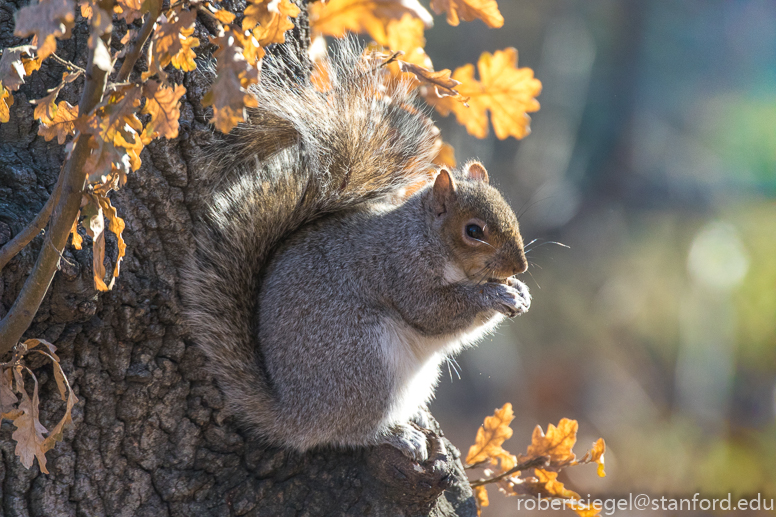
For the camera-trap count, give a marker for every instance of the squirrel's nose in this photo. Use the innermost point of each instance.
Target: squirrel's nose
(521, 263)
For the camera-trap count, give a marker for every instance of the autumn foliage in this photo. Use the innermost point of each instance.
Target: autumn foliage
(535, 472)
(123, 109)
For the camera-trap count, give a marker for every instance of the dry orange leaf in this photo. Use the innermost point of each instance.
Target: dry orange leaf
(77, 239)
(251, 50)
(17, 63)
(229, 93)
(337, 17)
(95, 228)
(506, 91)
(86, 8)
(552, 486)
(481, 494)
(7, 398)
(485, 10)
(115, 225)
(269, 20)
(6, 101)
(130, 10)
(58, 122)
(29, 431)
(406, 35)
(596, 454)
(163, 104)
(223, 16)
(114, 131)
(493, 433)
(557, 443)
(173, 43)
(47, 20)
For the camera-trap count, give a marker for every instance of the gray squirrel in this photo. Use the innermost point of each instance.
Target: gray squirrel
(324, 294)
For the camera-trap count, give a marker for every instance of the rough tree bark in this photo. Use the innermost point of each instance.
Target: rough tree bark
(150, 435)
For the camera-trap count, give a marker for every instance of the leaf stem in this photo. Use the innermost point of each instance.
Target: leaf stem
(68, 64)
(541, 461)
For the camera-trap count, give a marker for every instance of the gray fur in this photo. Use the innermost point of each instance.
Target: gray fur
(324, 308)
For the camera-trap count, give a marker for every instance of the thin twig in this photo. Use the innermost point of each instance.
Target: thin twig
(137, 46)
(68, 64)
(541, 461)
(23, 238)
(18, 319)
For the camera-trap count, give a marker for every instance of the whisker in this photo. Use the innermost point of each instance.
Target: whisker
(532, 278)
(483, 242)
(452, 362)
(545, 243)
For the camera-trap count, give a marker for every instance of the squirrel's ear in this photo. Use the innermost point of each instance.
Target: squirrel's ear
(444, 192)
(475, 171)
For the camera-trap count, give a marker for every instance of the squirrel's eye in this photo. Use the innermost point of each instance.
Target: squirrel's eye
(475, 232)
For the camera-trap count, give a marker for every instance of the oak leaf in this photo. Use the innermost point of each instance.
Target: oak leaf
(130, 10)
(29, 431)
(86, 8)
(557, 443)
(229, 94)
(222, 15)
(406, 35)
(485, 10)
(506, 91)
(115, 132)
(552, 487)
(163, 104)
(269, 20)
(172, 43)
(65, 391)
(116, 225)
(336, 17)
(493, 433)
(6, 101)
(77, 239)
(251, 50)
(16, 64)
(481, 494)
(47, 20)
(7, 398)
(596, 454)
(58, 122)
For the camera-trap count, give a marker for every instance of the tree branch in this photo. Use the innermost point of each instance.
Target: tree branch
(539, 462)
(23, 238)
(27, 303)
(137, 46)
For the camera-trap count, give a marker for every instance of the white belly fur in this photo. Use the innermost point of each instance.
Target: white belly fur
(415, 360)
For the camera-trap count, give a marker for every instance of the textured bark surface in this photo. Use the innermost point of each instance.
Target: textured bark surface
(150, 436)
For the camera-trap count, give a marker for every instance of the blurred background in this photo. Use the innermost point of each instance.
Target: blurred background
(653, 158)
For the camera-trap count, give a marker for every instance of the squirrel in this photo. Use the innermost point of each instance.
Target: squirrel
(324, 295)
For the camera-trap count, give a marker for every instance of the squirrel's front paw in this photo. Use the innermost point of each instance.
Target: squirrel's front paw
(409, 440)
(512, 299)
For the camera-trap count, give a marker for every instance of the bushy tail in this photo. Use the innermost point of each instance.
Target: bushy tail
(304, 154)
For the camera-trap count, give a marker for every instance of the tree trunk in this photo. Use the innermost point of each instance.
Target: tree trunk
(150, 435)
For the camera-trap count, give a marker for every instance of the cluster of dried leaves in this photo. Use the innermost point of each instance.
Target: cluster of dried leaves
(116, 118)
(30, 442)
(116, 134)
(548, 454)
